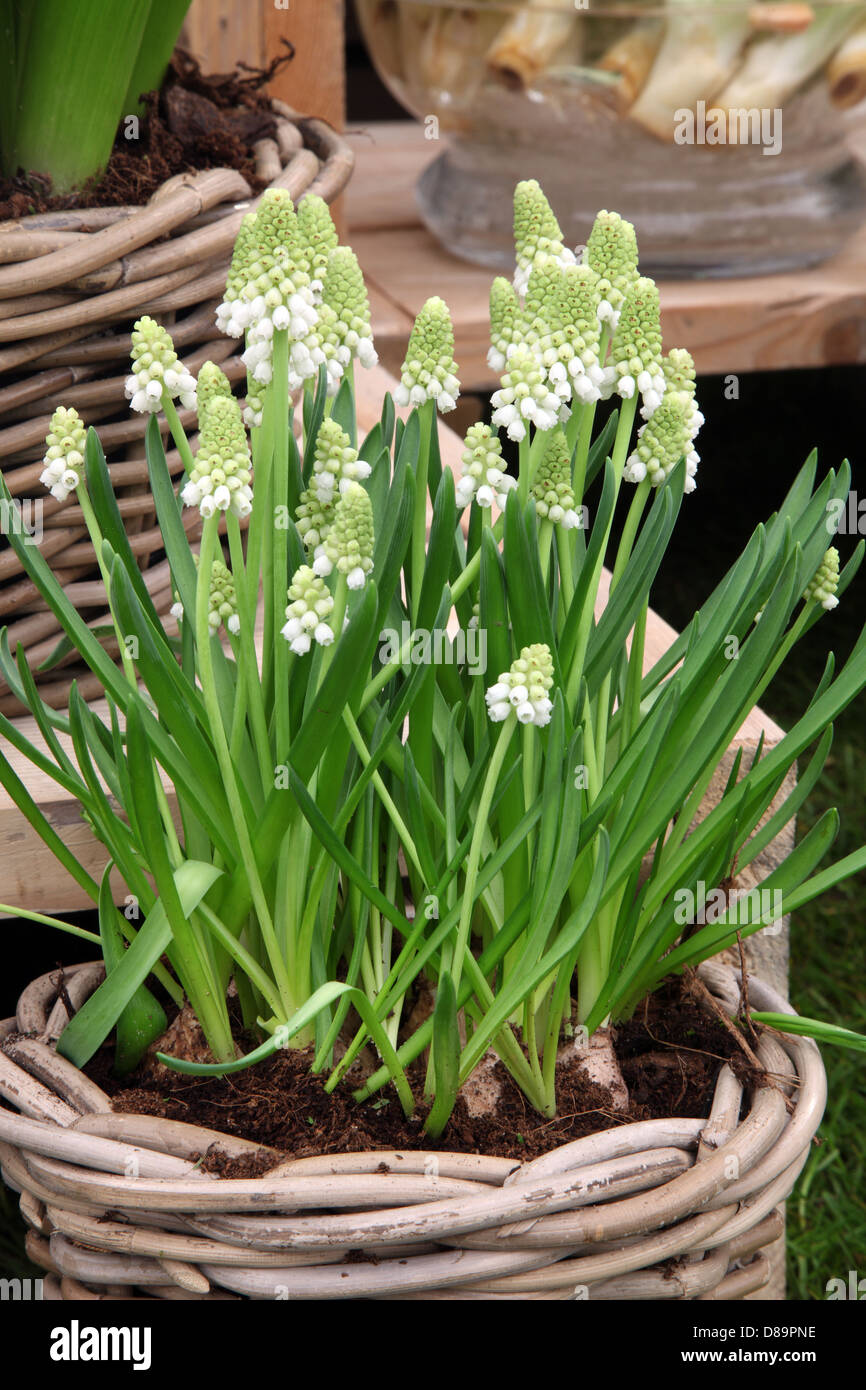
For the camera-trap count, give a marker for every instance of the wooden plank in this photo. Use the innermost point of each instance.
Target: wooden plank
(814, 317)
(314, 83)
(30, 876)
(406, 266)
(401, 151)
(221, 33)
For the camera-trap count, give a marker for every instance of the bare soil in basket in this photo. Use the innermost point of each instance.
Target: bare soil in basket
(195, 122)
(669, 1053)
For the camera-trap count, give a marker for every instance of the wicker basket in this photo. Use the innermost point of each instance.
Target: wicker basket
(71, 285)
(662, 1209)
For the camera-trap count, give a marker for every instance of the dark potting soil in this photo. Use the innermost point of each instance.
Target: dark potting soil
(194, 122)
(670, 1054)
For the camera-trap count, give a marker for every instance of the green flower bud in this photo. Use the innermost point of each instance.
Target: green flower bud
(349, 543)
(429, 371)
(317, 232)
(507, 329)
(611, 251)
(246, 249)
(222, 601)
(255, 404)
(636, 349)
(211, 382)
(564, 329)
(536, 232)
(345, 295)
(524, 688)
(679, 372)
(64, 454)
(679, 369)
(822, 587)
(552, 490)
(221, 476)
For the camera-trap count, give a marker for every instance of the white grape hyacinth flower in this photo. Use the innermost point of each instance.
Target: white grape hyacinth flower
(523, 689)
(310, 606)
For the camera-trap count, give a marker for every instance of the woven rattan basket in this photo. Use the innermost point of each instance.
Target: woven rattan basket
(71, 286)
(662, 1209)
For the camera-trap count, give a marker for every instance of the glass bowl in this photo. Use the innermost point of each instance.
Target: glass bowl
(721, 131)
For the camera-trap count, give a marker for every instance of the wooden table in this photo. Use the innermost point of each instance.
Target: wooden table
(810, 318)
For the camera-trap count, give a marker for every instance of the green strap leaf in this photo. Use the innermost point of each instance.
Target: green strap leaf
(94, 1021)
(143, 1019)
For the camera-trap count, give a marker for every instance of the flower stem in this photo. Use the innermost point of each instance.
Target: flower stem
(209, 693)
(426, 414)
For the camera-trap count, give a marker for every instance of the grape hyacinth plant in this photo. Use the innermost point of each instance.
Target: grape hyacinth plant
(325, 822)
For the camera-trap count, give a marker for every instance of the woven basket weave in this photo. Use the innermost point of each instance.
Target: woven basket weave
(71, 286)
(119, 1209)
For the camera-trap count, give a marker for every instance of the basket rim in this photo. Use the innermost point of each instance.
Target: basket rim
(600, 1210)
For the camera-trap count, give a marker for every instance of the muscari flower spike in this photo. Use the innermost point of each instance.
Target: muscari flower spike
(348, 546)
(336, 463)
(679, 372)
(211, 382)
(222, 602)
(64, 455)
(524, 688)
(221, 477)
(525, 396)
(662, 442)
(253, 410)
(484, 477)
(564, 329)
(343, 332)
(822, 587)
(314, 520)
(344, 294)
(429, 371)
(582, 331)
(552, 490)
(310, 605)
(636, 349)
(536, 232)
(506, 323)
(156, 369)
(278, 292)
(611, 251)
(232, 315)
(318, 234)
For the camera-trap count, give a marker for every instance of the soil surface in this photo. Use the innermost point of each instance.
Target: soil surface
(195, 122)
(670, 1054)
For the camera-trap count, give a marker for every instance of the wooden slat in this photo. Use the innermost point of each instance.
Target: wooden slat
(814, 317)
(222, 33)
(314, 83)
